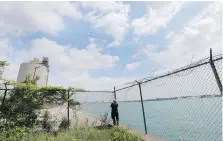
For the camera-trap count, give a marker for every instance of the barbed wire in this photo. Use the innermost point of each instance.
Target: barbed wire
(174, 72)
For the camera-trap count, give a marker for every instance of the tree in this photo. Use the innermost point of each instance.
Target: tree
(33, 81)
(3, 64)
(21, 106)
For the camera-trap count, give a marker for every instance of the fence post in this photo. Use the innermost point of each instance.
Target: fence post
(68, 107)
(3, 100)
(140, 90)
(114, 93)
(215, 72)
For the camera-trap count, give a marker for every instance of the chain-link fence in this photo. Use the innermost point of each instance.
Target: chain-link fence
(95, 103)
(183, 104)
(51, 109)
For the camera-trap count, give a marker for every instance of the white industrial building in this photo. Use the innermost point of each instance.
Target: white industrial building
(35, 68)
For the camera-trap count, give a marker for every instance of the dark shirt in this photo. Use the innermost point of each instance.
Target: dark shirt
(114, 107)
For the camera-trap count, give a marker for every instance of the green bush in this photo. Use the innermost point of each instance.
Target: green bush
(122, 134)
(21, 106)
(26, 99)
(45, 122)
(13, 134)
(85, 134)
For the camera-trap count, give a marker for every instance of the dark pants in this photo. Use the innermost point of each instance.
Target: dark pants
(115, 118)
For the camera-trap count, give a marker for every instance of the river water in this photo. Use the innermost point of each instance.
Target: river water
(189, 119)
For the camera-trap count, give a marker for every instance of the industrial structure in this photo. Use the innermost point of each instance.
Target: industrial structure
(35, 68)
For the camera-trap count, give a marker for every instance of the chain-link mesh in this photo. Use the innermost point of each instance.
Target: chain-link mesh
(95, 103)
(94, 96)
(57, 110)
(130, 109)
(184, 105)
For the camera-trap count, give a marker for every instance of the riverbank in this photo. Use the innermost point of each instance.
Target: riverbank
(79, 118)
(145, 137)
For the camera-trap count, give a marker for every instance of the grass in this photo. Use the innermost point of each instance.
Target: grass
(85, 134)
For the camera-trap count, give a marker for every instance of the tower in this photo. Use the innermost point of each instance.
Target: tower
(35, 68)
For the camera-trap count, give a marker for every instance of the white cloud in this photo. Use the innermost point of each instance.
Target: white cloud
(114, 44)
(99, 83)
(132, 66)
(169, 34)
(19, 18)
(68, 66)
(5, 48)
(5, 54)
(196, 38)
(110, 16)
(89, 58)
(92, 40)
(157, 17)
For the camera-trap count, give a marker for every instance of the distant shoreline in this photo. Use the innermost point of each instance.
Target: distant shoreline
(162, 99)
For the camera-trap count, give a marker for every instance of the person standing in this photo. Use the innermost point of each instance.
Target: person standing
(114, 113)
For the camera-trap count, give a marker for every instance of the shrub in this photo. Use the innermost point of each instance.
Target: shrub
(122, 134)
(64, 124)
(45, 122)
(12, 134)
(86, 134)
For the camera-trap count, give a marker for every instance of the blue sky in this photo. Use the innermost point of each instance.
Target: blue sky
(139, 29)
